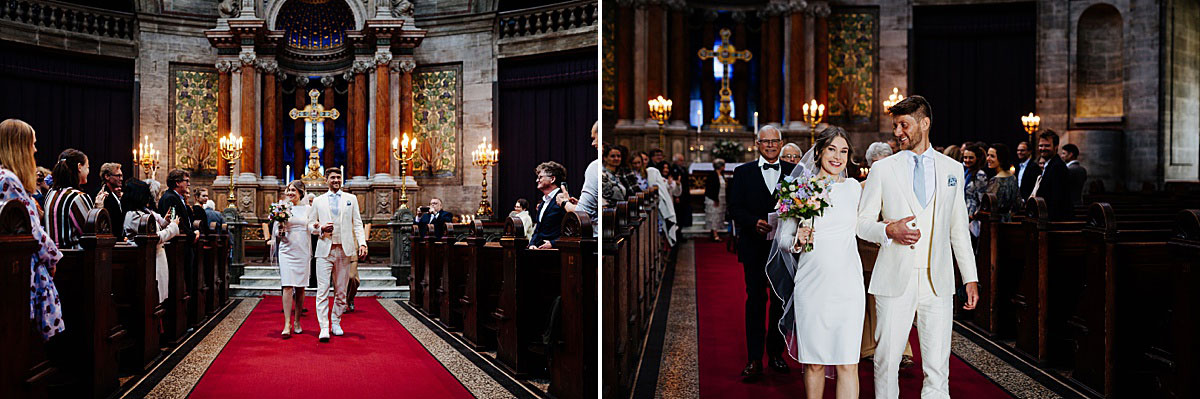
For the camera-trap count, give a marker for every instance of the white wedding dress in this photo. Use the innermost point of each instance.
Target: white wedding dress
(829, 298)
(295, 253)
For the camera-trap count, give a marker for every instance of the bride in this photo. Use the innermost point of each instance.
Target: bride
(295, 252)
(823, 291)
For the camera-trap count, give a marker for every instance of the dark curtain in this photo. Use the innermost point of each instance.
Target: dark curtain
(545, 108)
(72, 101)
(975, 64)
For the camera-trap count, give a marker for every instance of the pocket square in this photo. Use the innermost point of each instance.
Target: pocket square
(953, 181)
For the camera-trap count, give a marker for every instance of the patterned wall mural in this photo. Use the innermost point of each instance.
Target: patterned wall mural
(194, 119)
(609, 71)
(437, 120)
(852, 65)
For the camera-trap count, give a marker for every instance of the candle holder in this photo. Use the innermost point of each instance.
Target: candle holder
(147, 158)
(893, 98)
(1031, 123)
(231, 150)
(484, 157)
(660, 110)
(404, 151)
(813, 115)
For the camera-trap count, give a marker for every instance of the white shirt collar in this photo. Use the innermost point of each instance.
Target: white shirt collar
(763, 161)
(927, 154)
(548, 197)
(1073, 161)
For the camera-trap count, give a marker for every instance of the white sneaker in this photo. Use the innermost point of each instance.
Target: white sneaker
(337, 330)
(324, 337)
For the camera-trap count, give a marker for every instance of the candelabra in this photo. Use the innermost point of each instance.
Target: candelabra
(813, 114)
(147, 158)
(231, 150)
(404, 151)
(1031, 123)
(484, 157)
(893, 98)
(660, 110)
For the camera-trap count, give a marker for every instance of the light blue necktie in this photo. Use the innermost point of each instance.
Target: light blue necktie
(919, 181)
(334, 207)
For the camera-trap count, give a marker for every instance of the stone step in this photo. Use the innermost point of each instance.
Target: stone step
(273, 271)
(240, 290)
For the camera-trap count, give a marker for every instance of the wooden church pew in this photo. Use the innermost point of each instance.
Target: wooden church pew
(87, 350)
(178, 296)
(573, 359)
(633, 265)
(999, 262)
(223, 247)
(435, 261)
(615, 330)
(24, 367)
(416, 277)
(1184, 326)
(484, 263)
(531, 283)
(135, 292)
(454, 278)
(206, 261)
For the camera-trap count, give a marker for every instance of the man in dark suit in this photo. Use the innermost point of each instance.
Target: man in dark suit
(548, 216)
(110, 177)
(436, 216)
(1052, 184)
(178, 181)
(751, 196)
(1076, 173)
(1027, 170)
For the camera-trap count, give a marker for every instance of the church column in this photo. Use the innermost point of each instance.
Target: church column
(654, 54)
(249, 132)
(741, 73)
(680, 74)
(327, 99)
(796, 68)
(405, 68)
(270, 120)
(772, 66)
(224, 86)
(351, 121)
(359, 112)
(300, 144)
(820, 13)
(624, 58)
(708, 87)
(383, 120)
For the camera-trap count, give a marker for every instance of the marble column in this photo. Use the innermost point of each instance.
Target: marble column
(383, 136)
(771, 71)
(708, 87)
(796, 68)
(740, 84)
(624, 58)
(270, 120)
(359, 111)
(224, 96)
(300, 144)
(655, 49)
(351, 122)
(680, 76)
(405, 68)
(820, 13)
(249, 133)
(328, 100)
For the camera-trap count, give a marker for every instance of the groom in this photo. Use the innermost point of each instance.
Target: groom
(335, 217)
(914, 272)
(751, 196)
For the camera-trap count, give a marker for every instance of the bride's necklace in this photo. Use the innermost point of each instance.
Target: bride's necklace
(825, 175)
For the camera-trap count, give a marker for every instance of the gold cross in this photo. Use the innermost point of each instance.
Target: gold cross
(726, 54)
(315, 113)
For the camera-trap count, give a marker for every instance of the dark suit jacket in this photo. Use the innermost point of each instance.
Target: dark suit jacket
(1029, 179)
(1077, 177)
(549, 227)
(712, 186)
(115, 213)
(172, 200)
(1054, 189)
(750, 201)
(439, 223)
(683, 209)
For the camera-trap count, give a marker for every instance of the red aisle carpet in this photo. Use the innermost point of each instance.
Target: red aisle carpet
(720, 302)
(377, 358)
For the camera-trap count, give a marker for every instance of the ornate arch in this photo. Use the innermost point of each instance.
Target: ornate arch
(357, 7)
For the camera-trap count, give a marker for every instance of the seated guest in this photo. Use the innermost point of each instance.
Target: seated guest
(549, 215)
(876, 151)
(975, 179)
(1004, 183)
(17, 178)
(210, 212)
(66, 205)
(175, 199)
(521, 210)
(1076, 173)
(714, 199)
(1052, 185)
(110, 176)
(649, 176)
(791, 153)
(614, 175)
(200, 219)
(1027, 170)
(953, 151)
(436, 216)
(138, 201)
(589, 196)
(43, 186)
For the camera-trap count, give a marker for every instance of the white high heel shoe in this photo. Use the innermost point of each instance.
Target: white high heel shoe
(296, 328)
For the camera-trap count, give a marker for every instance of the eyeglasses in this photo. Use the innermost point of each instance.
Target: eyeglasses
(770, 142)
(790, 156)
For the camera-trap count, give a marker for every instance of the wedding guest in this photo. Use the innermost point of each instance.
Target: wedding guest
(976, 182)
(895, 145)
(657, 161)
(1027, 169)
(549, 214)
(137, 199)
(714, 200)
(1076, 173)
(111, 176)
(335, 216)
(589, 197)
(1003, 184)
(649, 176)
(1041, 163)
(683, 200)
(39, 193)
(750, 197)
(877, 151)
(521, 210)
(294, 240)
(199, 216)
(17, 177)
(1052, 185)
(66, 205)
(791, 153)
(617, 176)
(953, 151)
(175, 198)
(436, 216)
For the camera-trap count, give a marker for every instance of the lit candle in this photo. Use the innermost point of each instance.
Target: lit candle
(755, 121)
(287, 177)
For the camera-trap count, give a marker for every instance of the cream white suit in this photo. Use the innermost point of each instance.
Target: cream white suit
(916, 279)
(335, 252)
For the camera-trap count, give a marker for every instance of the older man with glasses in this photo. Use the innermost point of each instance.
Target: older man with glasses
(791, 153)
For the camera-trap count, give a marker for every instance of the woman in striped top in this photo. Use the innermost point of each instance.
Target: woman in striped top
(66, 205)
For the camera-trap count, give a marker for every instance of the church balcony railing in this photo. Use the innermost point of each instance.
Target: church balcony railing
(547, 19)
(69, 17)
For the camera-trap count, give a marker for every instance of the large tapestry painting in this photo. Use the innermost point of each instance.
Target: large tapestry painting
(193, 123)
(437, 120)
(852, 65)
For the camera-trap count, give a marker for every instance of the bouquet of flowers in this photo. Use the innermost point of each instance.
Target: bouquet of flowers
(804, 198)
(280, 213)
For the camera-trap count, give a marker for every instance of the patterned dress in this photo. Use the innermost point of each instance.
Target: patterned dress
(1005, 189)
(65, 209)
(44, 307)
